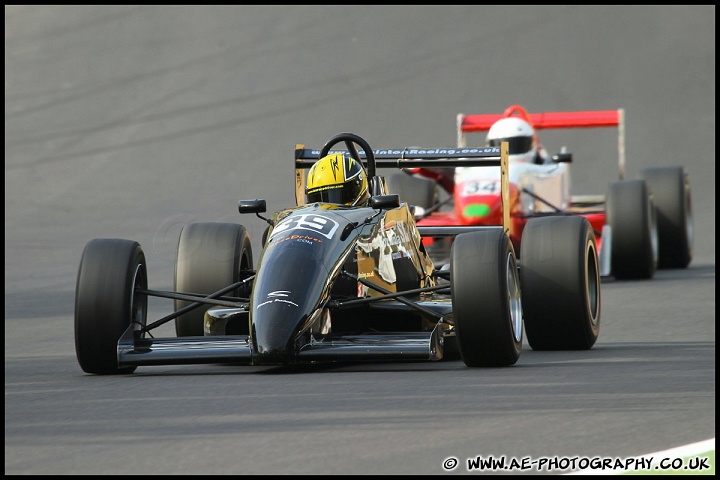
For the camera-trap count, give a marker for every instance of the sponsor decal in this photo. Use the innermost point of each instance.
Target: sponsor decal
(277, 296)
(300, 238)
(410, 152)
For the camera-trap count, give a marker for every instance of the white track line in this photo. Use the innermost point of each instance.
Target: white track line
(679, 452)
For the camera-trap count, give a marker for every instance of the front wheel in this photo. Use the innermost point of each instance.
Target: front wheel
(210, 257)
(107, 301)
(486, 299)
(560, 280)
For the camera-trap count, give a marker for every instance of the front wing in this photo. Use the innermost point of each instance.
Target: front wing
(236, 349)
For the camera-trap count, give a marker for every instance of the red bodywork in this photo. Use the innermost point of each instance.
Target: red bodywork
(492, 198)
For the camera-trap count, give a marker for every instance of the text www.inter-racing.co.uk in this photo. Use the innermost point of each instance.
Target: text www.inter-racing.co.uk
(548, 464)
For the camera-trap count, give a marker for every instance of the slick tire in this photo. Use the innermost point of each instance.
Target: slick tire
(670, 187)
(110, 273)
(630, 212)
(486, 299)
(210, 257)
(560, 278)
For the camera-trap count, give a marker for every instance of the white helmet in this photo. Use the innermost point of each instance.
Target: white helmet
(520, 135)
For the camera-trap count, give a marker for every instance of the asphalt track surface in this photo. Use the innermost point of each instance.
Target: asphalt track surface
(132, 121)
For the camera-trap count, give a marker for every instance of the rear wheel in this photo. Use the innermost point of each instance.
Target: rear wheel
(560, 280)
(106, 302)
(670, 187)
(486, 299)
(630, 212)
(210, 257)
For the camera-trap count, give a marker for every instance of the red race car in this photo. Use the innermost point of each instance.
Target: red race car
(640, 225)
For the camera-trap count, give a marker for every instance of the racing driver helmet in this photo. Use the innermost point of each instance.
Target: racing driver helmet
(519, 134)
(337, 178)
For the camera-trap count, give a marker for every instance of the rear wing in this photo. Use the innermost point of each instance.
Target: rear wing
(416, 158)
(582, 119)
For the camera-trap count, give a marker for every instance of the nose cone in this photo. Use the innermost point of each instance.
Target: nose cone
(276, 325)
(287, 290)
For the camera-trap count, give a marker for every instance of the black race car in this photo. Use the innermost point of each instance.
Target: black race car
(337, 284)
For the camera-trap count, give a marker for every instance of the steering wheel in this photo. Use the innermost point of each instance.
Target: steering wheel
(351, 140)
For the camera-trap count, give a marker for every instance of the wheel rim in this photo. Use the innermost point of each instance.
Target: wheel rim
(514, 302)
(138, 301)
(654, 235)
(592, 280)
(688, 215)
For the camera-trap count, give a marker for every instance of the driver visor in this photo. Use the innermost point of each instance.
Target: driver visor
(517, 144)
(331, 194)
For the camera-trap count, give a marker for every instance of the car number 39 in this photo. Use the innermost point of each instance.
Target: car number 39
(316, 223)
